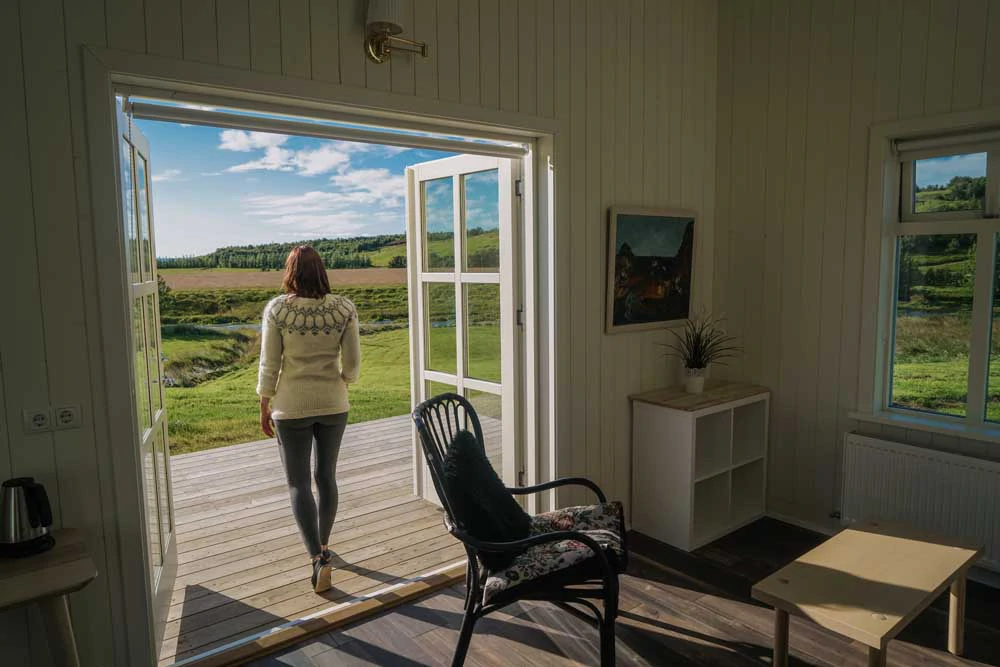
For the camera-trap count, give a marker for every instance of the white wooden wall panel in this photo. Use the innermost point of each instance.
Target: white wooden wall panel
(509, 55)
(425, 73)
(633, 85)
(324, 27)
(13, 149)
(296, 42)
(401, 67)
(789, 278)
(351, 23)
(234, 32)
(969, 48)
(163, 29)
(201, 38)
(265, 36)
(489, 54)
(125, 24)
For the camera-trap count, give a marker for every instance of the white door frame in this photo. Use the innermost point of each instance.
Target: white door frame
(509, 280)
(102, 253)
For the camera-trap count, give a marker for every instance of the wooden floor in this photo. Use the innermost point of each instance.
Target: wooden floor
(242, 568)
(685, 609)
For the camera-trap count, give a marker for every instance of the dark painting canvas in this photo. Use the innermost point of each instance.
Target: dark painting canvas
(651, 256)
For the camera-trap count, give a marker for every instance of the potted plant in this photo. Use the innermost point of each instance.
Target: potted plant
(699, 343)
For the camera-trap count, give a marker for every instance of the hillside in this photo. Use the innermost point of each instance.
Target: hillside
(385, 251)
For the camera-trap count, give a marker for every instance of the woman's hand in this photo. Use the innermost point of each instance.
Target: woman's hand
(266, 424)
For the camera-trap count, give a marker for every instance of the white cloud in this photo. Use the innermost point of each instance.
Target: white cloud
(322, 160)
(306, 162)
(371, 186)
(275, 159)
(167, 175)
(244, 142)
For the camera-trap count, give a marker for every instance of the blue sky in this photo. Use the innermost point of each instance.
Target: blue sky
(214, 187)
(938, 171)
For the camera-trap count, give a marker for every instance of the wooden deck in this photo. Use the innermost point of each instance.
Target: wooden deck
(242, 568)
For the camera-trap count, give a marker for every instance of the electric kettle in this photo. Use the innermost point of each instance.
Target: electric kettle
(25, 517)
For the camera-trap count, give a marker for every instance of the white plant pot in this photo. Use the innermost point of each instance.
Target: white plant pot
(694, 380)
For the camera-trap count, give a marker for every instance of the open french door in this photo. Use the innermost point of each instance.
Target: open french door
(147, 367)
(465, 297)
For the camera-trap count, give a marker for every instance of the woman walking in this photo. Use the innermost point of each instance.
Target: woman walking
(310, 351)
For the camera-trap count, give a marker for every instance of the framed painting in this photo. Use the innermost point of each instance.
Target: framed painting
(650, 261)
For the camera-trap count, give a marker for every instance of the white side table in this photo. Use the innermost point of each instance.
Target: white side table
(699, 461)
(47, 579)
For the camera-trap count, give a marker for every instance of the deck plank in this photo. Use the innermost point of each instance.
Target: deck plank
(241, 564)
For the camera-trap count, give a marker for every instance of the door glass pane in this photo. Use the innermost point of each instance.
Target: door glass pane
(162, 461)
(153, 355)
(145, 238)
(949, 183)
(488, 408)
(933, 314)
(438, 388)
(128, 213)
(152, 515)
(439, 223)
(482, 340)
(140, 361)
(481, 200)
(441, 350)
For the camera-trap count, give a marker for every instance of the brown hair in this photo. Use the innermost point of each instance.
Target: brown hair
(305, 275)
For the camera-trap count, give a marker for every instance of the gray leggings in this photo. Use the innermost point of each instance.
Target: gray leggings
(295, 439)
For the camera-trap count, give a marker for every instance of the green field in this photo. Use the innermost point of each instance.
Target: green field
(483, 250)
(933, 326)
(482, 247)
(223, 410)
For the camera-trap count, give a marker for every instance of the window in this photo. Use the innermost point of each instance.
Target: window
(942, 354)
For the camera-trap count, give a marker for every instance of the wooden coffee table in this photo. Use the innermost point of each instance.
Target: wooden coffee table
(867, 583)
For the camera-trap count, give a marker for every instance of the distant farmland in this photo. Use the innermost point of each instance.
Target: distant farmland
(190, 279)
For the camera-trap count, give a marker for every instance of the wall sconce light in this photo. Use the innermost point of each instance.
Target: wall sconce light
(383, 25)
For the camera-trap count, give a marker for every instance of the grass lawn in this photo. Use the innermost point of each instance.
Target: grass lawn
(443, 247)
(931, 365)
(224, 410)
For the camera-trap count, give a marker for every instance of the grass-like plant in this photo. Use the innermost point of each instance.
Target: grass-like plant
(701, 342)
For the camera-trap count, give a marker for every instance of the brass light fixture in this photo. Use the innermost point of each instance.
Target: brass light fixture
(383, 27)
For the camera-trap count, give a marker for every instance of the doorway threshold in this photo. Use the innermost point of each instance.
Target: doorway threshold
(354, 609)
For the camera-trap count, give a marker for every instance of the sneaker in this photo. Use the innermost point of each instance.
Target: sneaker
(322, 574)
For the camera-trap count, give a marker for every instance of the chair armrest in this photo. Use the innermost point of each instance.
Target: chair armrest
(534, 540)
(579, 481)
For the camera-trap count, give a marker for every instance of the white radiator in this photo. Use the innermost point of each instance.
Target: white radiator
(942, 493)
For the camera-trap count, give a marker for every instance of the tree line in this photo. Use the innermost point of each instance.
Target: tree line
(347, 253)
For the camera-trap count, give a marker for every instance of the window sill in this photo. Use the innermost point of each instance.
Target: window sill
(914, 422)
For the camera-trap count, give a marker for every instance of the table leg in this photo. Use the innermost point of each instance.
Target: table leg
(55, 613)
(876, 657)
(780, 638)
(956, 617)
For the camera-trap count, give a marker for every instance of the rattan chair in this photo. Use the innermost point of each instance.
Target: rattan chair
(591, 539)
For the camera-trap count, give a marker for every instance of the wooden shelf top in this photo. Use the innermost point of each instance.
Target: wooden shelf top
(64, 568)
(716, 393)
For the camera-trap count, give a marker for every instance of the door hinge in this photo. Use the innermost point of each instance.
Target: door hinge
(520, 478)
(517, 188)
(520, 317)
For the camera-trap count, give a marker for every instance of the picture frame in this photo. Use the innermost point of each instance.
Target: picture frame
(650, 268)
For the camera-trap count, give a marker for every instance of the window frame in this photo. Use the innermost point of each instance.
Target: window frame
(889, 216)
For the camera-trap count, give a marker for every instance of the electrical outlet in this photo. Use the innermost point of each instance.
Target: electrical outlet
(37, 421)
(66, 416)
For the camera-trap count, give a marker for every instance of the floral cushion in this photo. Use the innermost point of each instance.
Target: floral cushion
(604, 523)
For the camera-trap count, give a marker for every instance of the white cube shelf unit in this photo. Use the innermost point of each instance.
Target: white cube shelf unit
(699, 462)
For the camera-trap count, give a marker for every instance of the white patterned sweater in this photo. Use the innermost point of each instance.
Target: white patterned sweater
(310, 351)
